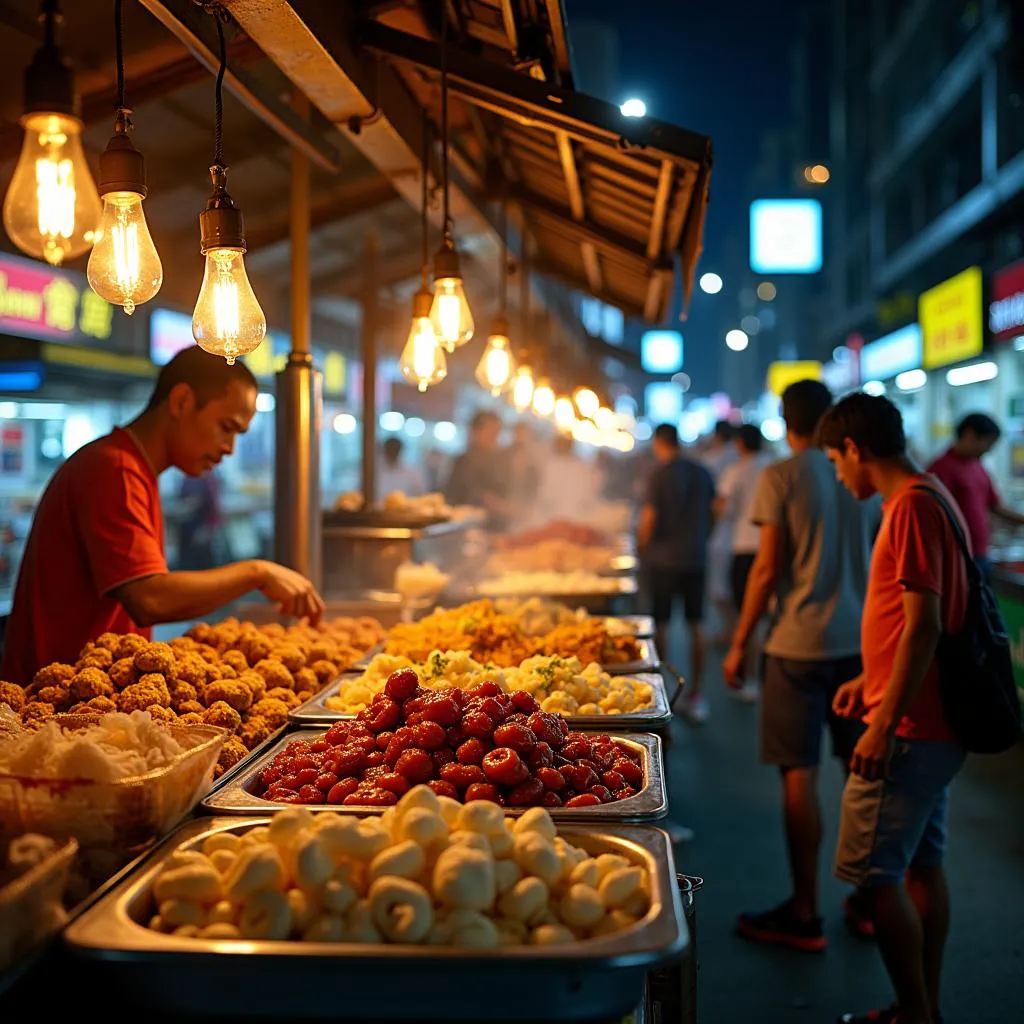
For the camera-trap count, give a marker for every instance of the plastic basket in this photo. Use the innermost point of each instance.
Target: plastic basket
(32, 906)
(112, 821)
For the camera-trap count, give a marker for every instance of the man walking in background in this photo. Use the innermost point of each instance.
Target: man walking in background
(672, 539)
(961, 471)
(813, 556)
(892, 833)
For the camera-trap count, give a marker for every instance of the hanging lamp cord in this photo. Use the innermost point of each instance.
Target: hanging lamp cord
(49, 14)
(504, 258)
(444, 123)
(218, 122)
(424, 218)
(119, 47)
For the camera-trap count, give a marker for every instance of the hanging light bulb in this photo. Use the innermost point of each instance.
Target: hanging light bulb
(522, 388)
(544, 398)
(124, 267)
(227, 320)
(422, 361)
(587, 402)
(565, 414)
(605, 419)
(52, 208)
(496, 369)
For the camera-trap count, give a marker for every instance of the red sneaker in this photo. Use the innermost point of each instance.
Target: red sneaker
(857, 918)
(781, 927)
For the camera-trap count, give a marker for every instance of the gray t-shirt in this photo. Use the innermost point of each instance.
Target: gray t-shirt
(827, 538)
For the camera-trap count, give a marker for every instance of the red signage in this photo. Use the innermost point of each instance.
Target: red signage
(1006, 310)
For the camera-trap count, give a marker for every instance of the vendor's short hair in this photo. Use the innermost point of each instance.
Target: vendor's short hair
(979, 424)
(750, 437)
(871, 422)
(724, 430)
(666, 433)
(208, 376)
(803, 405)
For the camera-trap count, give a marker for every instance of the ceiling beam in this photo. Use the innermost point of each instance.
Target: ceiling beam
(197, 31)
(347, 282)
(588, 252)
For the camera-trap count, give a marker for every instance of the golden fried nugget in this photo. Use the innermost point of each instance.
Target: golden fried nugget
(159, 714)
(306, 679)
(302, 696)
(91, 682)
(275, 673)
(98, 657)
(232, 752)
(325, 672)
(225, 671)
(123, 673)
(236, 659)
(274, 630)
(256, 647)
(190, 668)
(223, 715)
(156, 658)
(191, 707)
(129, 646)
(191, 718)
(274, 711)
(58, 696)
(150, 689)
(256, 683)
(230, 691)
(285, 696)
(13, 696)
(290, 656)
(255, 730)
(54, 674)
(102, 705)
(37, 711)
(182, 693)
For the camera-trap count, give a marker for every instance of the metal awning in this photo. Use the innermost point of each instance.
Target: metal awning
(610, 201)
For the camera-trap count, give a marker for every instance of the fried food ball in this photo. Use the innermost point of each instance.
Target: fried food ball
(54, 674)
(302, 696)
(145, 693)
(191, 707)
(325, 672)
(191, 718)
(236, 659)
(223, 715)
(306, 679)
(91, 682)
(58, 696)
(102, 705)
(156, 658)
(275, 673)
(182, 693)
(232, 752)
(225, 672)
(274, 711)
(322, 650)
(226, 635)
(129, 646)
(38, 711)
(98, 657)
(81, 708)
(256, 683)
(290, 656)
(274, 630)
(254, 731)
(285, 696)
(190, 668)
(159, 714)
(13, 696)
(230, 691)
(108, 641)
(209, 654)
(183, 645)
(201, 633)
(123, 673)
(256, 647)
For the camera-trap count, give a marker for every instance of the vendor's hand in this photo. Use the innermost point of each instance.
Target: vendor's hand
(849, 699)
(294, 594)
(872, 754)
(732, 667)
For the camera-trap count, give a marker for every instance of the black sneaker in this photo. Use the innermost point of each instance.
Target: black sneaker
(781, 927)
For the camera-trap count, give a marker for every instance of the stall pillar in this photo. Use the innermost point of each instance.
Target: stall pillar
(299, 411)
(370, 327)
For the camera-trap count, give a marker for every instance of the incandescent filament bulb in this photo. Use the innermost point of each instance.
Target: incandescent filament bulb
(565, 414)
(522, 389)
(124, 267)
(450, 313)
(496, 367)
(587, 402)
(227, 320)
(422, 361)
(543, 399)
(52, 208)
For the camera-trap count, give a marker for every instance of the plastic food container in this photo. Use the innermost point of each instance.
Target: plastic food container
(112, 821)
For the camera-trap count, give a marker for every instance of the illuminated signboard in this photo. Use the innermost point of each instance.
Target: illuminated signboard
(46, 304)
(781, 375)
(785, 236)
(661, 351)
(1006, 310)
(663, 402)
(891, 354)
(951, 320)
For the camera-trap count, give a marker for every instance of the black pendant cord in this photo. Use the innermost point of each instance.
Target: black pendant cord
(504, 258)
(50, 16)
(119, 47)
(218, 124)
(444, 123)
(425, 202)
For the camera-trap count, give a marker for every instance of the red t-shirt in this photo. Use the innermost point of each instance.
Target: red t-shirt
(968, 481)
(99, 525)
(915, 548)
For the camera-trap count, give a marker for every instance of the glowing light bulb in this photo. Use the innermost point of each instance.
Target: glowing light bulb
(52, 208)
(605, 419)
(543, 398)
(587, 402)
(565, 414)
(422, 361)
(496, 368)
(124, 267)
(522, 389)
(585, 432)
(450, 313)
(227, 320)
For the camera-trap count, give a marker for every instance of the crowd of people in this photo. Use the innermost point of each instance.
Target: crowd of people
(836, 570)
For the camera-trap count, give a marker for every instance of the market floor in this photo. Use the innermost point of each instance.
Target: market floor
(718, 788)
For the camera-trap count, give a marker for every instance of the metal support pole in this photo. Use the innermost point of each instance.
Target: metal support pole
(371, 324)
(298, 517)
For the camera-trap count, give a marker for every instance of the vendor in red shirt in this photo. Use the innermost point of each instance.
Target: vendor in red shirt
(94, 561)
(961, 470)
(892, 832)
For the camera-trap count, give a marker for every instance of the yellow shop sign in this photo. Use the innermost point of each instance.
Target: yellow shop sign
(950, 314)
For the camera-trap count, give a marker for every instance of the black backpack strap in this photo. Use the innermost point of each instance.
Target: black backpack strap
(973, 572)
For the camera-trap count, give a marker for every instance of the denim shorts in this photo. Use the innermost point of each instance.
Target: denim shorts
(897, 822)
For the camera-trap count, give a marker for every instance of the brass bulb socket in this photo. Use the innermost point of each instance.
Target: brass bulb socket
(422, 302)
(446, 263)
(122, 167)
(220, 224)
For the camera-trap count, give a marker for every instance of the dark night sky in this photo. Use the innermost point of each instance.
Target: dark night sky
(720, 68)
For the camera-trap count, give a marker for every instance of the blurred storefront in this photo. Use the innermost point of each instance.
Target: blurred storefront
(892, 365)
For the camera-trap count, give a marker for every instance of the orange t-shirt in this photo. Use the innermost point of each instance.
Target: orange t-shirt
(916, 548)
(99, 525)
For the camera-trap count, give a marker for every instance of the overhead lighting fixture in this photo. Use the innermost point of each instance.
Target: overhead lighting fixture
(227, 320)
(52, 208)
(710, 283)
(422, 362)
(633, 108)
(975, 373)
(565, 414)
(737, 340)
(544, 398)
(587, 402)
(497, 366)
(450, 313)
(522, 388)
(911, 380)
(124, 266)
(605, 418)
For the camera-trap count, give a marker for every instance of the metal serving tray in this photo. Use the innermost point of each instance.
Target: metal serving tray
(643, 625)
(256, 752)
(596, 979)
(649, 661)
(239, 795)
(316, 712)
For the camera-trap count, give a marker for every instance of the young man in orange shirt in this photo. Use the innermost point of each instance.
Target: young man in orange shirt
(892, 833)
(94, 561)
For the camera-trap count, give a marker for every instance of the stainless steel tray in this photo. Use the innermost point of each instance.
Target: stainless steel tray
(597, 979)
(369, 655)
(651, 803)
(649, 661)
(643, 625)
(316, 712)
(256, 752)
